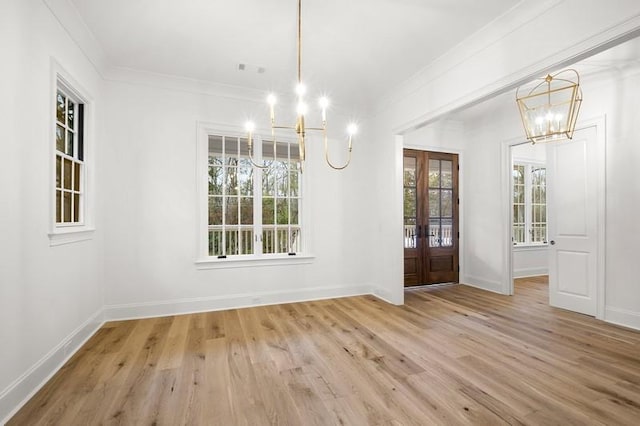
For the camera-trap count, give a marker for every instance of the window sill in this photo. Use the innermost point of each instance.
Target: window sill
(530, 247)
(61, 236)
(248, 261)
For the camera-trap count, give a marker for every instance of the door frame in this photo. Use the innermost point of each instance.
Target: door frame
(507, 189)
(461, 240)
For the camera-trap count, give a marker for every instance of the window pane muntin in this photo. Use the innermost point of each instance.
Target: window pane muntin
(215, 210)
(246, 211)
(245, 181)
(446, 202)
(294, 207)
(61, 102)
(529, 204)
(284, 188)
(434, 173)
(434, 203)
(60, 140)
(268, 210)
(69, 162)
(446, 174)
(410, 202)
(215, 180)
(409, 166)
(66, 206)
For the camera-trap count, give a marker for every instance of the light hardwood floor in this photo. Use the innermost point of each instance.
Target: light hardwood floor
(451, 355)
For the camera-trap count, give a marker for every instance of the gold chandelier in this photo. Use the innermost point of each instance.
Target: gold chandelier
(549, 107)
(301, 112)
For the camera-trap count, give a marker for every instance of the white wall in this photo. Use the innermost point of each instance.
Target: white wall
(49, 296)
(613, 95)
(530, 261)
(152, 211)
(493, 61)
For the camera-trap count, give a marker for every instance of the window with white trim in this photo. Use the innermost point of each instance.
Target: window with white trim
(529, 204)
(253, 211)
(70, 183)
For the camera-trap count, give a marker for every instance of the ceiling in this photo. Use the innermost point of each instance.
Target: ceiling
(616, 59)
(354, 51)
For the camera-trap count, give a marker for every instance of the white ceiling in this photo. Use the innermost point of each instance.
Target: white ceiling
(353, 50)
(618, 58)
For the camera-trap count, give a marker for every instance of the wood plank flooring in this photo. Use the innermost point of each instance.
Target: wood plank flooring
(452, 355)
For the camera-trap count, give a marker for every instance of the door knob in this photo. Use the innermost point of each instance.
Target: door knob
(553, 243)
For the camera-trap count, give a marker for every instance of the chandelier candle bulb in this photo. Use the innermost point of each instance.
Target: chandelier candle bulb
(271, 100)
(324, 103)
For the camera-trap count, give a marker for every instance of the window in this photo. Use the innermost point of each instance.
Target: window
(70, 185)
(529, 204)
(70, 218)
(252, 211)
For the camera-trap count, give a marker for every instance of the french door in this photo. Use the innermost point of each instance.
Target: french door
(430, 217)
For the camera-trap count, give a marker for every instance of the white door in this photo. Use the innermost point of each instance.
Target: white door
(572, 176)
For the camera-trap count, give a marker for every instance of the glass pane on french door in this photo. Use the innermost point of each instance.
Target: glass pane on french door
(410, 202)
(440, 203)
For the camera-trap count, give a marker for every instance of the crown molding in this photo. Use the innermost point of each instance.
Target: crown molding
(71, 21)
(496, 30)
(182, 84)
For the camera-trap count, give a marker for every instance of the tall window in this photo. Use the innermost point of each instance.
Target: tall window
(529, 204)
(253, 211)
(69, 140)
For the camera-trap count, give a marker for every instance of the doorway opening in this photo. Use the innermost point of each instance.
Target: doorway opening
(529, 231)
(575, 178)
(431, 229)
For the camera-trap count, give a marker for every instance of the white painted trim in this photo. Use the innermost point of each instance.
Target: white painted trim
(233, 301)
(507, 199)
(248, 261)
(387, 296)
(18, 393)
(531, 247)
(396, 292)
(71, 236)
(622, 317)
(483, 284)
(530, 272)
(601, 128)
(507, 285)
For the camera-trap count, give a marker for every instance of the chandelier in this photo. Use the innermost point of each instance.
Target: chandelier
(301, 112)
(549, 106)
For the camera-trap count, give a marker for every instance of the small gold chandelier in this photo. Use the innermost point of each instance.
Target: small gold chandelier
(549, 108)
(301, 111)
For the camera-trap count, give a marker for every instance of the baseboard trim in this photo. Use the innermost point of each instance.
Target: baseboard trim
(14, 396)
(622, 317)
(483, 284)
(387, 296)
(530, 272)
(234, 301)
